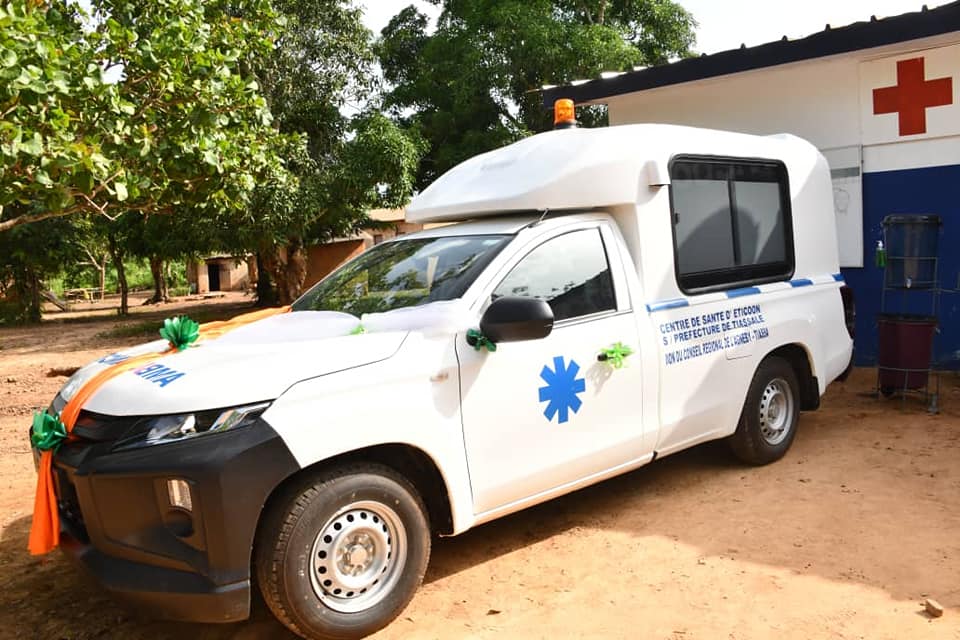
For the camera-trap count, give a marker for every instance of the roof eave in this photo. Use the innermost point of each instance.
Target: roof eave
(853, 37)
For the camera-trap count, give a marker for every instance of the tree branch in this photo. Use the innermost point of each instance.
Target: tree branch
(586, 11)
(34, 217)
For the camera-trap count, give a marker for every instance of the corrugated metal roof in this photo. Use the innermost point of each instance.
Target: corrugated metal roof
(830, 41)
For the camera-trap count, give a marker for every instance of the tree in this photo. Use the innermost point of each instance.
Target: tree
(161, 239)
(95, 255)
(321, 69)
(184, 132)
(473, 84)
(185, 126)
(28, 255)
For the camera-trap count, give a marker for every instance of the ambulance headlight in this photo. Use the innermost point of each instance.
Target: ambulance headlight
(176, 428)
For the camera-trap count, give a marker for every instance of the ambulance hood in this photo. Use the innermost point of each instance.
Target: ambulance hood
(260, 360)
(252, 363)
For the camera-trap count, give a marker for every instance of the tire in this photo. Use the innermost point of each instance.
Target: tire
(341, 553)
(770, 413)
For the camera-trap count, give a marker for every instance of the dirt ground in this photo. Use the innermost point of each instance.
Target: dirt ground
(843, 538)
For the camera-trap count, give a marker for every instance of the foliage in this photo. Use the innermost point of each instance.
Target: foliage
(28, 254)
(76, 275)
(321, 70)
(185, 127)
(473, 84)
(49, 77)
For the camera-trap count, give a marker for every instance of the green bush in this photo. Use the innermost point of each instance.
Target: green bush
(139, 278)
(176, 275)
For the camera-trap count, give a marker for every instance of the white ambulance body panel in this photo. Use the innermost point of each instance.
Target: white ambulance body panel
(656, 286)
(477, 415)
(624, 171)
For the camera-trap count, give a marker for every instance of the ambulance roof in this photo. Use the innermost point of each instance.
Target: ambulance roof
(587, 168)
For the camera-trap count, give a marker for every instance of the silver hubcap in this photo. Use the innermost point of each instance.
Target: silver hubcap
(776, 411)
(358, 556)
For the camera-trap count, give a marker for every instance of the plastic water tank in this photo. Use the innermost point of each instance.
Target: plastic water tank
(912, 244)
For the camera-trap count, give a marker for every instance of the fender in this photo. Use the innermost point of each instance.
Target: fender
(411, 399)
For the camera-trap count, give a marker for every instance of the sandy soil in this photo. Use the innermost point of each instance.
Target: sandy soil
(843, 538)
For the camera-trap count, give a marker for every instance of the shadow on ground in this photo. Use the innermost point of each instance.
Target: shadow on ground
(866, 495)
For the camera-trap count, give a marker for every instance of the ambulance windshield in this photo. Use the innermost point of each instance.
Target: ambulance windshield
(404, 273)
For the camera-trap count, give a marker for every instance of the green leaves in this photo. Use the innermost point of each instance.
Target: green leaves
(33, 146)
(321, 67)
(8, 58)
(473, 83)
(177, 124)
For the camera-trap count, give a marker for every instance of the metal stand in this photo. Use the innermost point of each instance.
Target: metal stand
(894, 297)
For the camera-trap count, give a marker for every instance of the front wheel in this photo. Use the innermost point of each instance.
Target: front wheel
(342, 553)
(768, 422)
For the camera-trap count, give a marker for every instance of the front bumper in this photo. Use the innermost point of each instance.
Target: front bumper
(118, 522)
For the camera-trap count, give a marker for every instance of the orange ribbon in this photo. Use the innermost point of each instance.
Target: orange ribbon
(45, 528)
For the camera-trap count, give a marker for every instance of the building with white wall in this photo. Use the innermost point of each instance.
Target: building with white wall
(880, 98)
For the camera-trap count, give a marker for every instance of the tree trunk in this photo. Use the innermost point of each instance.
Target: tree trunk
(160, 293)
(27, 288)
(266, 296)
(103, 277)
(288, 269)
(116, 253)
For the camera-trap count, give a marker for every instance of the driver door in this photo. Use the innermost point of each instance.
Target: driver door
(541, 414)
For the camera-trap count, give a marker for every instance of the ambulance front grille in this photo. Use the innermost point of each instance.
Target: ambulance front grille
(69, 506)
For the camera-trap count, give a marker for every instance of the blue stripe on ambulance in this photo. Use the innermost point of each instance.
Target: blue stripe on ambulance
(676, 303)
(745, 291)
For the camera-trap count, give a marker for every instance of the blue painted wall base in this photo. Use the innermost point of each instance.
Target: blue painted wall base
(936, 191)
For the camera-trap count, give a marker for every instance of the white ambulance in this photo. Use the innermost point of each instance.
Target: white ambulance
(604, 297)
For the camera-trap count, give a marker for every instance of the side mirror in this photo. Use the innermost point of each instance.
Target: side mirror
(511, 319)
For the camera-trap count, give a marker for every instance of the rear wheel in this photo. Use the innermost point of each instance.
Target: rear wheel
(768, 422)
(342, 553)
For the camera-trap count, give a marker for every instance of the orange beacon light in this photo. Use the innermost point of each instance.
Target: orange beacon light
(564, 115)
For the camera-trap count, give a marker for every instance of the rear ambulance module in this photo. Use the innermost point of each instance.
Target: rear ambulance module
(596, 299)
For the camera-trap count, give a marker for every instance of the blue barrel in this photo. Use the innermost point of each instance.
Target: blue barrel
(911, 243)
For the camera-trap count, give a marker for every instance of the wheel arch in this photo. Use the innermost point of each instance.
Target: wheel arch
(798, 356)
(411, 462)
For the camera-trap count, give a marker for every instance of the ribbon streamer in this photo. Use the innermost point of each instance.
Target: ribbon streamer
(615, 355)
(479, 341)
(45, 526)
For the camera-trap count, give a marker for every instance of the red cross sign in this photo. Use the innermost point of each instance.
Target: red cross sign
(912, 96)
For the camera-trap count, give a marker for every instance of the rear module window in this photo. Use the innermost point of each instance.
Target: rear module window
(731, 222)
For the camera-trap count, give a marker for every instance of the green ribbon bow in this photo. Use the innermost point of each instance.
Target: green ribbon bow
(180, 332)
(358, 331)
(615, 355)
(479, 341)
(47, 432)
